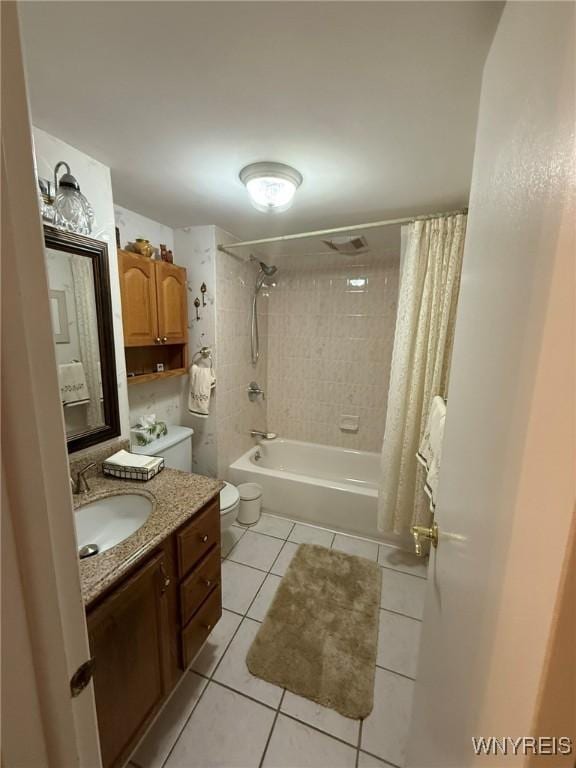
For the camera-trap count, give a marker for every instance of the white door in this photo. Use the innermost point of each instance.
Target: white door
(44, 637)
(506, 487)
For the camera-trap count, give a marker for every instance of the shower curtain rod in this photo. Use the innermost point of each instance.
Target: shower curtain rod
(337, 230)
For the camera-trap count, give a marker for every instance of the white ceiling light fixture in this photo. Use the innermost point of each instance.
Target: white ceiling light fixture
(271, 186)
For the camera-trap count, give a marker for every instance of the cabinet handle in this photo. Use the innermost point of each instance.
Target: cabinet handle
(204, 538)
(207, 583)
(157, 339)
(207, 626)
(164, 339)
(165, 577)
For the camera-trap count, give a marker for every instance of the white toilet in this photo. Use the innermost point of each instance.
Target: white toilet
(176, 448)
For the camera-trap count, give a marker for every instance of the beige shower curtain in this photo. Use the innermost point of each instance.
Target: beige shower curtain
(430, 279)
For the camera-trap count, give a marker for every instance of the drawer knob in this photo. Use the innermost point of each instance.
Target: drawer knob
(207, 583)
(208, 627)
(204, 538)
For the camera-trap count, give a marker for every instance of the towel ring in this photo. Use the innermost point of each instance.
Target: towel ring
(204, 353)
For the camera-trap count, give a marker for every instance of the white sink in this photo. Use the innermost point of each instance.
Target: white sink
(109, 521)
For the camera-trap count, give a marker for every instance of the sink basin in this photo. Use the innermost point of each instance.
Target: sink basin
(107, 522)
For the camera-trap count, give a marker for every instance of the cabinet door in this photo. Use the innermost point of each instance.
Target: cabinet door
(172, 303)
(139, 308)
(129, 639)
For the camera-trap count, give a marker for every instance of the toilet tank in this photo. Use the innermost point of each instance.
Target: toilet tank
(175, 448)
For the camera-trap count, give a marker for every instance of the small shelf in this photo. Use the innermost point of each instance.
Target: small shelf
(144, 377)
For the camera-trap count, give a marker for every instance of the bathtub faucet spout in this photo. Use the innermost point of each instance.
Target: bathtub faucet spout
(263, 435)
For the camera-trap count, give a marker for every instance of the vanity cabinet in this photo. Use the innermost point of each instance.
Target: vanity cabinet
(145, 631)
(154, 316)
(129, 639)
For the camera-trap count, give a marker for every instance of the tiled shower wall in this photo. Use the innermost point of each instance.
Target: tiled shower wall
(330, 338)
(236, 415)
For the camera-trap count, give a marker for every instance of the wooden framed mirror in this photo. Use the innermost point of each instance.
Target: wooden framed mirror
(77, 268)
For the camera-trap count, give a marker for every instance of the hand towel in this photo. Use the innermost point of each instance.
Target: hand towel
(73, 387)
(202, 382)
(430, 451)
(126, 459)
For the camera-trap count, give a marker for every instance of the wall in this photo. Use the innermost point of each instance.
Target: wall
(95, 184)
(194, 249)
(331, 333)
(165, 399)
(237, 415)
(507, 479)
(224, 326)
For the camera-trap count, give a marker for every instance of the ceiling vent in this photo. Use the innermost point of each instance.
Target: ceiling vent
(349, 246)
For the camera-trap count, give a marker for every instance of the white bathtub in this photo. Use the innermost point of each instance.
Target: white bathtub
(330, 487)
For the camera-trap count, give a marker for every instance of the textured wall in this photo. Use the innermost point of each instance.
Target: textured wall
(331, 332)
(236, 415)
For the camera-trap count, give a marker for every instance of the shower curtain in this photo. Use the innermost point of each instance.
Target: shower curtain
(87, 325)
(430, 266)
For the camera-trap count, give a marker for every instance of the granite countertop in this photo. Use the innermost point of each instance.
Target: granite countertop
(176, 497)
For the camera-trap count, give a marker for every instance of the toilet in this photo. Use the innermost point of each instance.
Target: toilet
(176, 449)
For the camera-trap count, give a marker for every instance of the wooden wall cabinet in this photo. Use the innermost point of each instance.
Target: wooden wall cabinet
(145, 631)
(154, 316)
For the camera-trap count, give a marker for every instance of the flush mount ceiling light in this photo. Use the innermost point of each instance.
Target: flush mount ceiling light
(271, 186)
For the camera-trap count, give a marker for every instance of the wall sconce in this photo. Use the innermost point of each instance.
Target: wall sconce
(64, 205)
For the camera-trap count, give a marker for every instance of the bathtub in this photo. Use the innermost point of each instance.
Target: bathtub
(330, 487)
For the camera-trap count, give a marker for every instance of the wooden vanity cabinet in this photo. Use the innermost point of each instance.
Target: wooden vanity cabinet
(129, 639)
(145, 631)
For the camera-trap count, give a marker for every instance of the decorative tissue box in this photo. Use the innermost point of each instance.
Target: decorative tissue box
(144, 434)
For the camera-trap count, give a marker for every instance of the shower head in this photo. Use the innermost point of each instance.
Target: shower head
(266, 270)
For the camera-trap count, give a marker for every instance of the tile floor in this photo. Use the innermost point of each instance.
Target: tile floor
(222, 716)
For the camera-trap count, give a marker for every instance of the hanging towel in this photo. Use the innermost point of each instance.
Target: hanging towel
(430, 451)
(73, 388)
(202, 382)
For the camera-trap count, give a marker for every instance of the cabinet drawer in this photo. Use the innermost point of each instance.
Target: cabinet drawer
(198, 585)
(198, 538)
(200, 626)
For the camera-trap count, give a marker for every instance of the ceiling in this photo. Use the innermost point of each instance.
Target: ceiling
(375, 103)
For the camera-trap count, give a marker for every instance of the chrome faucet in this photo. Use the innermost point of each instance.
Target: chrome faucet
(263, 435)
(81, 484)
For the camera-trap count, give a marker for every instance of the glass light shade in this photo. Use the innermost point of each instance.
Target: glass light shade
(271, 186)
(72, 211)
(271, 193)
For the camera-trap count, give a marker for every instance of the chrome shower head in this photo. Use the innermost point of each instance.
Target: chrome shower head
(266, 270)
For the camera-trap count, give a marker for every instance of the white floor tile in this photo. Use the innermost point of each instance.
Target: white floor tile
(368, 761)
(385, 730)
(279, 527)
(403, 593)
(294, 745)
(157, 744)
(307, 534)
(239, 586)
(283, 560)
(263, 599)
(230, 537)
(233, 671)
(256, 550)
(226, 730)
(353, 546)
(391, 557)
(398, 640)
(211, 653)
(327, 720)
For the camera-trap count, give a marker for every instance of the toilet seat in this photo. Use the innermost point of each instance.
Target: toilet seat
(229, 498)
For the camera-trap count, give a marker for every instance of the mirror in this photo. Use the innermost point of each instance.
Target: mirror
(79, 291)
